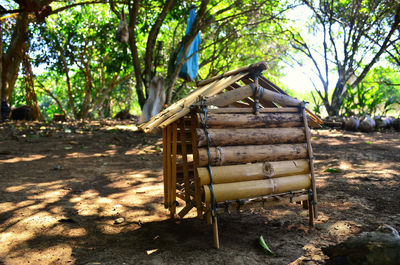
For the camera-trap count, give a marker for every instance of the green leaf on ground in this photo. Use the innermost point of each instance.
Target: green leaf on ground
(333, 170)
(265, 246)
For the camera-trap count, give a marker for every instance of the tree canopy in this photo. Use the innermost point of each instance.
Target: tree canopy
(85, 72)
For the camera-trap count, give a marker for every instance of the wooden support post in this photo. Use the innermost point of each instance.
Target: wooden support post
(197, 195)
(173, 171)
(186, 209)
(169, 169)
(165, 168)
(215, 232)
(184, 160)
(311, 160)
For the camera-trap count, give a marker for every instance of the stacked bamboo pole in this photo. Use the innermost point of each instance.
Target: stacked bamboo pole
(223, 137)
(255, 188)
(257, 171)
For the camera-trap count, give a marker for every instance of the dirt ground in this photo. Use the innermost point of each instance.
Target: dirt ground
(92, 193)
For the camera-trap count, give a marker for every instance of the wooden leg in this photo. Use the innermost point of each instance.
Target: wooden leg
(215, 232)
(305, 205)
(310, 213)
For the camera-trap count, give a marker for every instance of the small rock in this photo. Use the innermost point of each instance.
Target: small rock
(119, 220)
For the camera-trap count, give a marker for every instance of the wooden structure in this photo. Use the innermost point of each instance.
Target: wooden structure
(238, 141)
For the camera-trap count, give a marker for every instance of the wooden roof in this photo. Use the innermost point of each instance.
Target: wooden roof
(229, 81)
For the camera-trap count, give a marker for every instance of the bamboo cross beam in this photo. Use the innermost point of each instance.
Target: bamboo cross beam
(260, 65)
(243, 92)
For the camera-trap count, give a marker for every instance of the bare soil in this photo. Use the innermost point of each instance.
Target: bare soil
(92, 193)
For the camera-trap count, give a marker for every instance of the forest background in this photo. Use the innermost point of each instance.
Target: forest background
(62, 57)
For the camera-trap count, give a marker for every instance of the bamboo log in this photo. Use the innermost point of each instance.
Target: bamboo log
(252, 153)
(257, 171)
(251, 110)
(256, 188)
(260, 65)
(271, 120)
(223, 137)
(261, 203)
(229, 97)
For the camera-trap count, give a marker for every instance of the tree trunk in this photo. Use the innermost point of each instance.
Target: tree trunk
(11, 60)
(31, 98)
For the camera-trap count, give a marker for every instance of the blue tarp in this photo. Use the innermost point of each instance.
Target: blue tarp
(191, 67)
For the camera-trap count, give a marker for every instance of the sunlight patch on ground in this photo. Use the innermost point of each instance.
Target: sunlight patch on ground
(58, 254)
(22, 159)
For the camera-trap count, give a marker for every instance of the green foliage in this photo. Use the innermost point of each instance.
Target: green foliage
(363, 100)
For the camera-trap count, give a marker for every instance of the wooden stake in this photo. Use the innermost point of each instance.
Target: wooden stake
(215, 232)
(197, 187)
(311, 160)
